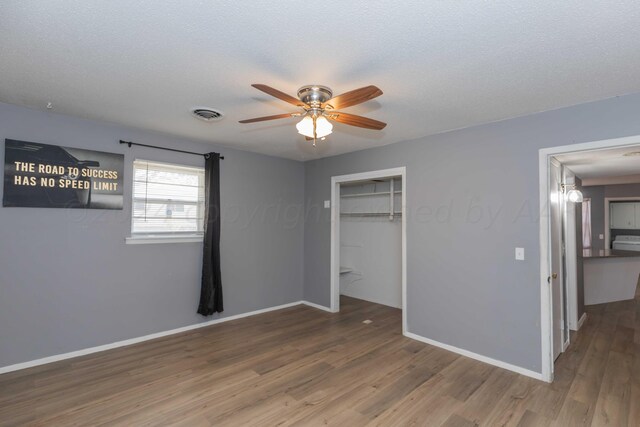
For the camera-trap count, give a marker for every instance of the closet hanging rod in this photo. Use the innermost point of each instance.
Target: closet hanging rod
(129, 143)
(370, 213)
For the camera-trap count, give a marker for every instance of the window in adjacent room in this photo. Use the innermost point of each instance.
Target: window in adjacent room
(168, 202)
(586, 223)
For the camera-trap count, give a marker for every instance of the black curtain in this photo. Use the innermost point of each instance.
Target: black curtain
(211, 290)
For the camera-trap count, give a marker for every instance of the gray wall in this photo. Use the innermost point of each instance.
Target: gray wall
(597, 194)
(68, 281)
(472, 197)
(623, 190)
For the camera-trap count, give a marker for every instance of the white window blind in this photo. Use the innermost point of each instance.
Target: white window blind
(168, 200)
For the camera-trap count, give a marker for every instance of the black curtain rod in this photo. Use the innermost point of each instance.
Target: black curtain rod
(129, 143)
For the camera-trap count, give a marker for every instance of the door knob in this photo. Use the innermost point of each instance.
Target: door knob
(554, 275)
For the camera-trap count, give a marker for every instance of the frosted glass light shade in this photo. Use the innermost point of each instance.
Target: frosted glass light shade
(323, 127)
(575, 196)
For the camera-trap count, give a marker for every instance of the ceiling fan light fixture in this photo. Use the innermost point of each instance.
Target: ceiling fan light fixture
(320, 106)
(323, 127)
(305, 126)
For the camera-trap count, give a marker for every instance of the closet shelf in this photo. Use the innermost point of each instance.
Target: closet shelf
(370, 214)
(381, 193)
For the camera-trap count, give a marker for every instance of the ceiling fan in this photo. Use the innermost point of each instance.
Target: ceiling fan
(319, 106)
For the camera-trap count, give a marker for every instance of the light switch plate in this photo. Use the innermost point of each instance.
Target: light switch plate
(601, 236)
(520, 254)
(327, 204)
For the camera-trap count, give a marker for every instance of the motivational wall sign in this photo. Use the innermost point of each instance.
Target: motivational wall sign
(50, 176)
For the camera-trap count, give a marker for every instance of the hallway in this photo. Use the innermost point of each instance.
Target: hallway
(599, 374)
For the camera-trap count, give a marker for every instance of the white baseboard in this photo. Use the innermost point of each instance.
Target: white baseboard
(318, 306)
(83, 352)
(583, 319)
(479, 357)
(86, 351)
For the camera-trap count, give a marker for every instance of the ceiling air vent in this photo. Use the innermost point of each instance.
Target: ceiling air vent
(207, 114)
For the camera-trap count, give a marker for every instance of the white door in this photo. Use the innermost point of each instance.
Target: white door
(555, 276)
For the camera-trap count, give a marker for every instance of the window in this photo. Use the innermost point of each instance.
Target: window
(168, 202)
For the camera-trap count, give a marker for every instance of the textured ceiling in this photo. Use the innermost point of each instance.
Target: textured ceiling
(609, 163)
(442, 64)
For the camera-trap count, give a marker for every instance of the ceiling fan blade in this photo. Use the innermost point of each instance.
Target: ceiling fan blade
(262, 119)
(353, 120)
(354, 97)
(280, 95)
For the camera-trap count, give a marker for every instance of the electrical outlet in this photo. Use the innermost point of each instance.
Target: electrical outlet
(520, 254)
(601, 236)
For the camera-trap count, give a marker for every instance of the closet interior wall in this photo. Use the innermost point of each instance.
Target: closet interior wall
(371, 241)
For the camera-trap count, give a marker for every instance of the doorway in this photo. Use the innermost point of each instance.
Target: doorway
(396, 212)
(557, 298)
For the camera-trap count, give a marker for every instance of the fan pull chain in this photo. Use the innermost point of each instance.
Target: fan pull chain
(314, 130)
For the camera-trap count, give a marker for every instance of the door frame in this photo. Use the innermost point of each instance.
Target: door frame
(562, 267)
(546, 312)
(571, 257)
(336, 181)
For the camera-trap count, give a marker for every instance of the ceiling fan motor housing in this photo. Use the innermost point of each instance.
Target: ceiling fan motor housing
(314, 95)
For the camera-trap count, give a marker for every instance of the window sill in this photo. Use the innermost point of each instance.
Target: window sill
(150, 240)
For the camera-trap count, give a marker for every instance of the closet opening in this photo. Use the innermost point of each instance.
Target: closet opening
(368, 238)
